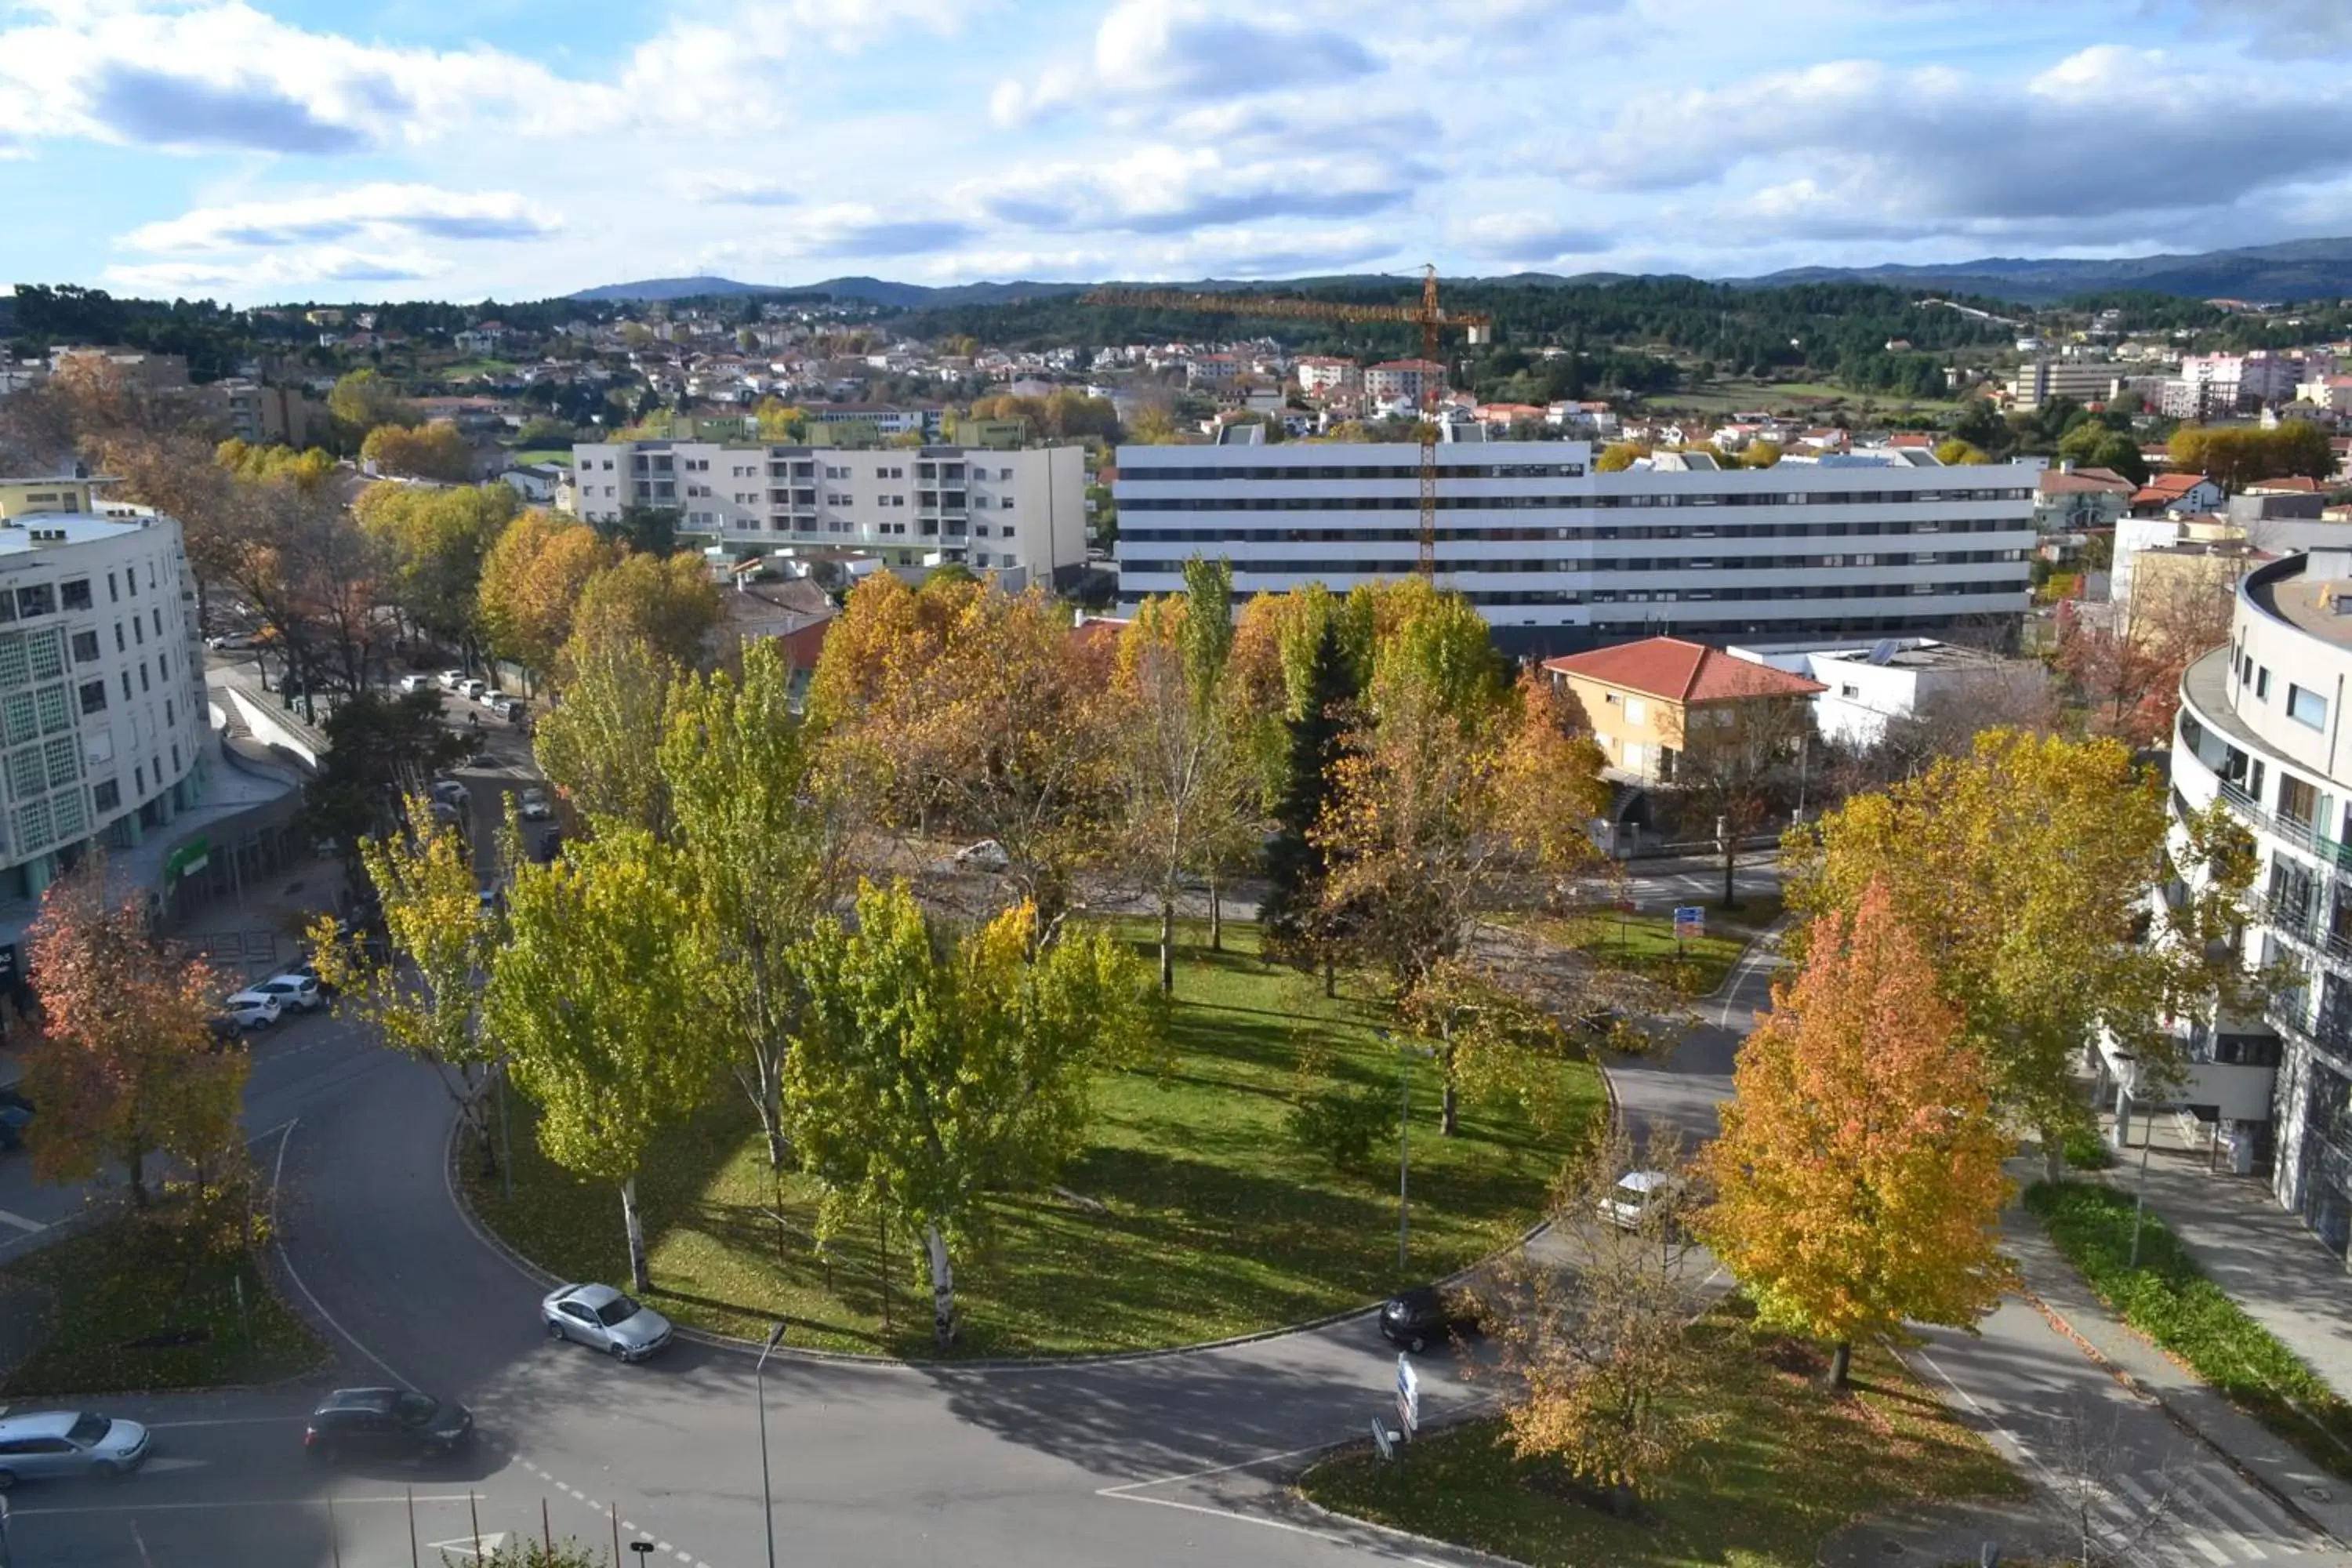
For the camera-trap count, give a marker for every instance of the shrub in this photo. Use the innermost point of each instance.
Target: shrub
(2087, 1150)
(2168, 1297)
(1337, 1118)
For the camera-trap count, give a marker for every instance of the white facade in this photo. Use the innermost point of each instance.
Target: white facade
(102, 708)
(1560, 558)
(1865, 687)
(1008, 511)
(2085, 381)
(2262, 728)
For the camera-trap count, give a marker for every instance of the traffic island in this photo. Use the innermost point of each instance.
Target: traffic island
(1197, 1211)
(1794, 1468)
(150, 1300)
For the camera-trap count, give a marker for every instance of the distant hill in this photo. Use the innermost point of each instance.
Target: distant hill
(2296, 269)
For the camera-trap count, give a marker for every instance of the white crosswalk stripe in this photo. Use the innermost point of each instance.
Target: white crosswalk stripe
(2206, 1516)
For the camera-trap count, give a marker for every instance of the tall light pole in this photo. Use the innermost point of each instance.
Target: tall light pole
(760, 1383)
(1405, 1055)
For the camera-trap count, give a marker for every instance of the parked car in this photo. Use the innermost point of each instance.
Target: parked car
(252, 1010)
(39, 1445)
(415, 683)
(385, 1423)
(452, 679)
(534, 806)
(490, 697)
(300, 992)
(230, 642)
(227, 1033)
(16, 1115)
(1427, 1313)
(513, 709)
(450, 792)
(604, 1319)
(471, 690)
(987, 855)
(1638, 1196)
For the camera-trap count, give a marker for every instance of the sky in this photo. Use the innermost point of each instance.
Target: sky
(255, 150)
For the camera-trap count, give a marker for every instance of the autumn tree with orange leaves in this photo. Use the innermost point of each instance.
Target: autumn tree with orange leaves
(124, 1066)
(1858, 1180)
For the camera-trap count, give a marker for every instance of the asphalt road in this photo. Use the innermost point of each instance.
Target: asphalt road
(2159, 1498)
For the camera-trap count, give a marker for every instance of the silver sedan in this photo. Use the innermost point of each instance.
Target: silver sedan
(604, 1319)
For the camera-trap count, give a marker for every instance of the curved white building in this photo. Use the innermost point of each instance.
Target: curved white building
(2263, 728)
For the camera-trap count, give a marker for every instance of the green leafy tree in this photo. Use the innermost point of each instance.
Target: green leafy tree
(668, 604)
(420, 991)
(435, 451)
(364, 400)
(928, 1075)
(1295, 865)
(601, 746)
(593, 982)
(758, 846)
(380, 749)
(438, 540)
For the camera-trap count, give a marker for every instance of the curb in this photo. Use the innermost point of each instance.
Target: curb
(1068, 1363)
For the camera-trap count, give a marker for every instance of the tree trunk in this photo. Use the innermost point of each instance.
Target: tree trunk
(1730, 860)
(1216, 915)
(1841, 1363)
(1167, 941)
(2054, 1155)
(135, 1158)
(641, 1278)
(1620, 1500)
(1448, 1112)
(943, 1324)
(776, 1148)
(1331, 976)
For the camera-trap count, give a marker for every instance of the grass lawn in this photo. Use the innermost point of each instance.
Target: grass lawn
(110, 1289)
(2170, 1299)
(1644, 943)
(1792, 1466)
(559, 455)
(1739, 394)
(1212, 1221)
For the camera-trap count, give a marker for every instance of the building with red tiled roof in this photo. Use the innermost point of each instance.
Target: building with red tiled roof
(2288, 485)
(2177, 492)
(1654, 703)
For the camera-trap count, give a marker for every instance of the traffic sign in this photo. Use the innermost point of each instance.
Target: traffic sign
(1690, 920)
(1408, 1395)
(1380, 1442)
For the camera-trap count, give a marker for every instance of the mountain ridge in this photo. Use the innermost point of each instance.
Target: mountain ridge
(2292, 270)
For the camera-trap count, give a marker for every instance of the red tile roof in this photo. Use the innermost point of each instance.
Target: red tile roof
(2291, 484)
(1681, 671)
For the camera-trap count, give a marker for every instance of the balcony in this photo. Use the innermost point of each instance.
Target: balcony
(2292, 830)
(2300, 924)
(2328, 1032)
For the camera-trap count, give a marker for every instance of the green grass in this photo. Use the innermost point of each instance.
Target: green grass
(1214, 1221)
(1793, 1466)
(1737, 395)
(2169, 1298)
(1644, 943)
(124, 1283)
(560, 456)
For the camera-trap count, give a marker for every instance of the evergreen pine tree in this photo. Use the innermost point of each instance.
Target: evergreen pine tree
(1294, 863)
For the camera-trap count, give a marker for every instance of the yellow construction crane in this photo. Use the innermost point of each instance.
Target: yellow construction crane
(1428, 315)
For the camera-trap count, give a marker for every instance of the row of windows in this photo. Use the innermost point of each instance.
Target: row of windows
(1147, 473)
(1656, 498)
(1469, 566)
(1217, 537)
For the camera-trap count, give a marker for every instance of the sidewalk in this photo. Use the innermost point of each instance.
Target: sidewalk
(258, 934)
(2052, 1283)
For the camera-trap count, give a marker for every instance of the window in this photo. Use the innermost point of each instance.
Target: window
(1005, 504)
(2261, 684)
(139, 777)
(159, 621)
(54, 712)
(171, 709)
(118, 637)
(113, 590)
(75, 596)
(107, 796)
(126, 685)
(38, 600)
(142, 679)
(93, 697)
(85, 647)
(1636, 710)
(175, 756)
(139, 631)
(1004, 476)
(2306, 706)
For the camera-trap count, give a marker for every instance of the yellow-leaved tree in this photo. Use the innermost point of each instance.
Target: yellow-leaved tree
(1857, 1181)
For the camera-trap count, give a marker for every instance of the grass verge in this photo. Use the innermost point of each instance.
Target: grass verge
(1794, 1465)
(2169, 1298)
(1645, 943)
(1191, 1215)
(134, 1304)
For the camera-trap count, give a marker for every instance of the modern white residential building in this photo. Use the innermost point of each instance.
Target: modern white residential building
(1022, 514)
(1560, 558)
(2038, 382)
(2262, 728)
(103, 723)
(1865, 687)
(1402, 380)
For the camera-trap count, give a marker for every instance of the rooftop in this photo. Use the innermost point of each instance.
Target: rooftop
(1681, 671)
(17, 537)
(2312, 593)
(1923, 654)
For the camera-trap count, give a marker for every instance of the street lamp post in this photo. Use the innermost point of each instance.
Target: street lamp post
(1405, 1055)
(760, 1383)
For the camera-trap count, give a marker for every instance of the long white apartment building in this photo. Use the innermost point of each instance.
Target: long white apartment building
(1560, 558)
(2263, 728)
(1019, 514)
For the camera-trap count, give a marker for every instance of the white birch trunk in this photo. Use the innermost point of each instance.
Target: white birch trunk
(640, 1279)
(942, 1285)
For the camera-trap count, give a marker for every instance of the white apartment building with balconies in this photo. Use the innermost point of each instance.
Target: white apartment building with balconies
(1560, 558)
(2262, 729)
(1019, 514)
(103, 719)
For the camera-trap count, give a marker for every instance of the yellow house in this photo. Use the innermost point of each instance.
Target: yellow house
(26, 497)
(1653, 702)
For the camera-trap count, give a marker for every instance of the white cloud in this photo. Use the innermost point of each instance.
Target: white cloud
(2283, 29)
(380, 211)
(277, 272)
(1163, 51)
(1164, 189)
(1528, 238)
(733, 187)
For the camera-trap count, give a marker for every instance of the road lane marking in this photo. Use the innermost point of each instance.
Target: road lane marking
(1211, 1470)
(341, 1501)
(223, 1421)
(285, 1258)
(21, 1223)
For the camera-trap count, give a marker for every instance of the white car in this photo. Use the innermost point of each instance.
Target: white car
(1637, 1195)
(987, 855)
(252, 1010)
(298, 992)
(39, 1445)
(452, 679)
(450, 792)
(415, 683)
(533, 806)
(472, 689)
(491, 697)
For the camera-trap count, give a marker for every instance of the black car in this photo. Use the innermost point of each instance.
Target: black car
(16, 1115)
(1426, 1314)
(385, 1423)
